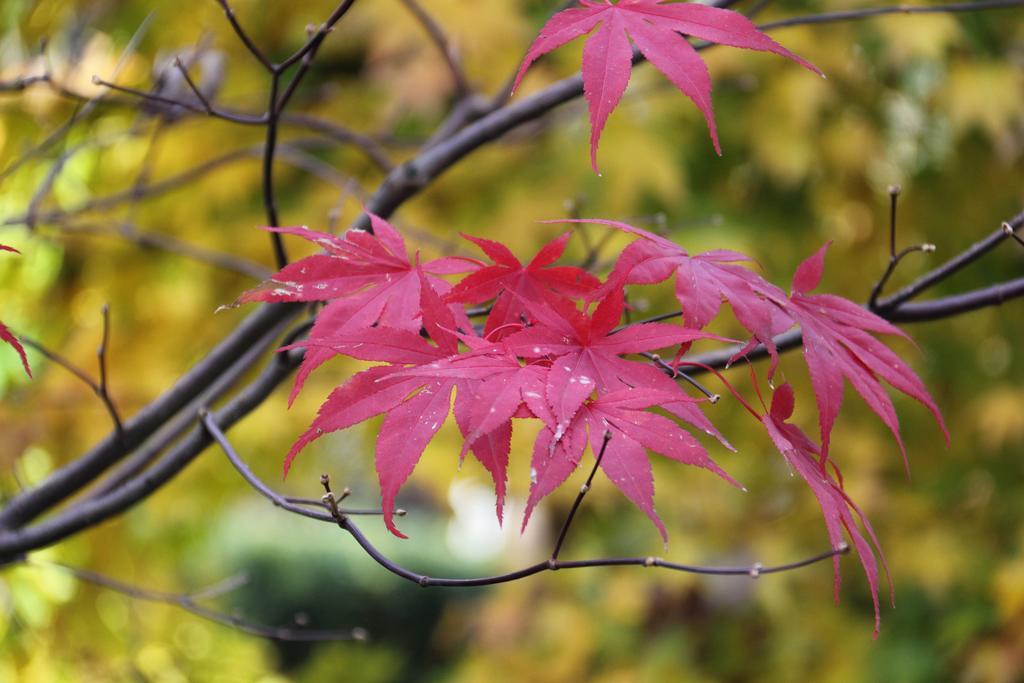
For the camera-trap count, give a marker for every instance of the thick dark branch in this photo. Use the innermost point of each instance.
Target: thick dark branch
(78, 473)
(937, 309)
(88, 513)
(957, 304)
(155, 445)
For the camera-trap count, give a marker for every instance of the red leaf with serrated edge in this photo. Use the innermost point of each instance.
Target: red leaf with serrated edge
(403, 436)
(491, 447)
(837, 346)
(657, 29)
(633, 431)
(513, 283)
(5, 334)
(365, 395)
(368, 281)
(585, 353)
(839, 511)
(837, 333)
(702, 282)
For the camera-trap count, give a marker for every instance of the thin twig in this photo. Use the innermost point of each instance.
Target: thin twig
(953, 265)
(869, 12)
(1012, 234)
(894, 258)
(579, 496)
(98, 387)
(188, 602)
(102, 389)
(244, 37)
(192, 86)
(444, 46)
(339, 517)
(675, 373)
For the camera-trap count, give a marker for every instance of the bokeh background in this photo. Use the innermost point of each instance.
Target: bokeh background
(933, 103)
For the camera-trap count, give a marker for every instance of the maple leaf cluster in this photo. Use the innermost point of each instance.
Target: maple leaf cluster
(552, 349)
(5, 334)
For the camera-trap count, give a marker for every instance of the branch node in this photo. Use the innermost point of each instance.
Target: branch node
(1007, 229)
(755, 569)
(650, 561)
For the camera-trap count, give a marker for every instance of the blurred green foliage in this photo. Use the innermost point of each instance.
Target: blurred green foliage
(934, 103)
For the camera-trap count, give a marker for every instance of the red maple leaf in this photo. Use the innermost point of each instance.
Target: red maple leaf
(5, 334)
(512, 283)
(657, 29)
(838, 344)
(368, 280)
(415, 404)
(702, 282)
(586, 351)
(839, 511)
(621, 417)
(837, 333)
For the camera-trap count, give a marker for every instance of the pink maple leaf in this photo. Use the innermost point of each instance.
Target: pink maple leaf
(586, 351)
(415, 404)
(366, 278)
(631, 430)
(837, 333)
(838, 344)
(839, 511)
(657, 29)
(512, 283)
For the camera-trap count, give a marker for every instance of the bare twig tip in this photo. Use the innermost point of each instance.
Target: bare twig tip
(96, 80)
(894, 190)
